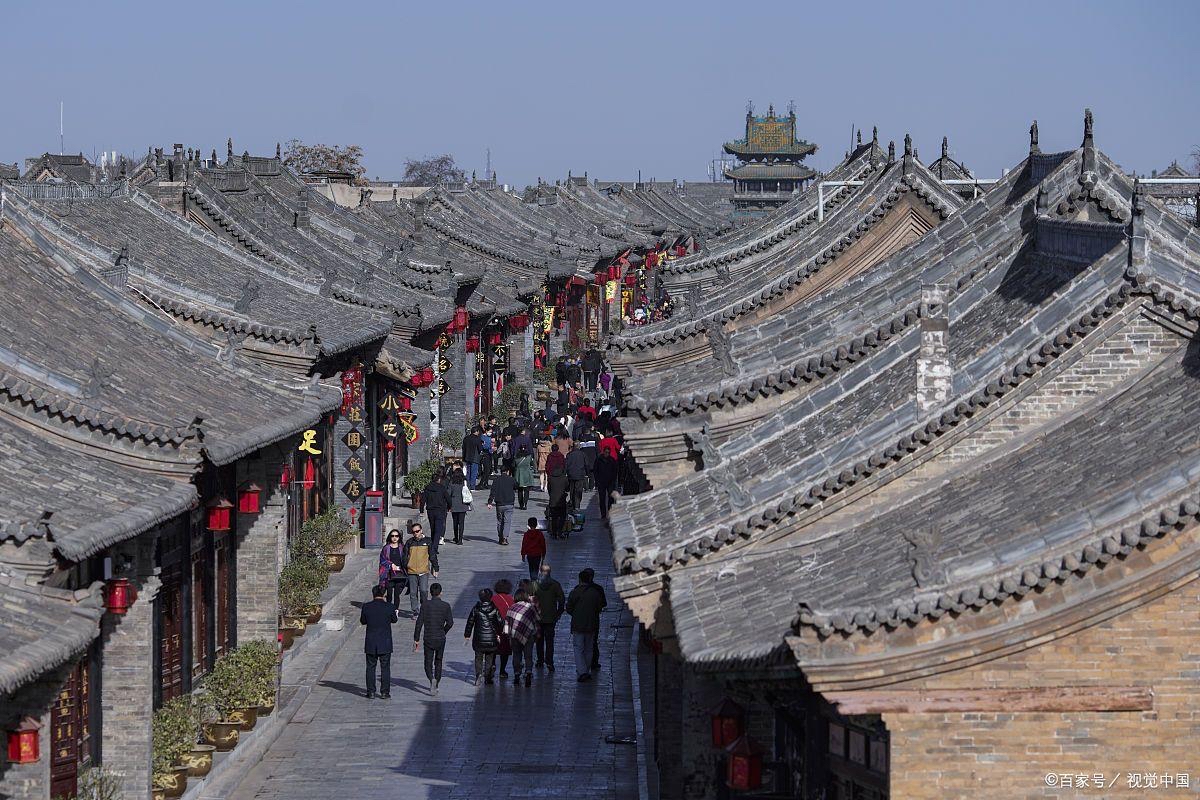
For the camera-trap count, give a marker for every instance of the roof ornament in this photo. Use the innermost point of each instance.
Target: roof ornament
(945, 147)
(723, 271)
(1139, 241)
(229, 147)
(99, 376)
(908, 144)
(214, 157)
(1043, 200)
(233, 343)
(251, 289)
(722, 348)
(278, 151)
(1087, 170)
(701, 442)
(1033, 139)
(926, 570)
(859, 137)
(891, 152)
(330, 276)
(723, 481)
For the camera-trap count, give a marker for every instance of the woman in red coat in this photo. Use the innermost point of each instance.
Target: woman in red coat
(533, 547)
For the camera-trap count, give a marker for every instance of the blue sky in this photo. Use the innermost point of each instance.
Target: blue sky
(609, 88)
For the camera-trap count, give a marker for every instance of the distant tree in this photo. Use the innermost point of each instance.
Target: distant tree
(325, 158)
(431, 171)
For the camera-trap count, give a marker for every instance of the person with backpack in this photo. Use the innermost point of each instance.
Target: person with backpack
(460, 504)
(584, 604)
(483, 632)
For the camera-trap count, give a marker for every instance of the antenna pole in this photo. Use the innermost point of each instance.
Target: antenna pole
(60, 127)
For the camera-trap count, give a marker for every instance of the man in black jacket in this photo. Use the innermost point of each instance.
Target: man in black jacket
(584, 604)
(593, 365)
(378, 615)
(471, 455)
(435, 620)
(437, 505)
(503, 496)
(577, 472)
(483, 632)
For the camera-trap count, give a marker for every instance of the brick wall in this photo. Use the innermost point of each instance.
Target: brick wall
(32, 700)
(127, 678)
(260, 545)
(1009, 755)
(686, 760)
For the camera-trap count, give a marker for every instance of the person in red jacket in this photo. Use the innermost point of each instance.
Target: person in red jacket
(556, 458)
(533, 547)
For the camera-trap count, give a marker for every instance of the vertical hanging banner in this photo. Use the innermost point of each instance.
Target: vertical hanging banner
(355, 440)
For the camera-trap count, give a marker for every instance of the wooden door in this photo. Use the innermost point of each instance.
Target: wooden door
(171, 627)
(223, 605)
(70, 734)
(202, 601)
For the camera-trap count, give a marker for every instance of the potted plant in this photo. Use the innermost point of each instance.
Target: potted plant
(232, 691)
(173, 733)
(215, 731)
(261, 659)
(300, 585)
(418, 478)
(325, 536)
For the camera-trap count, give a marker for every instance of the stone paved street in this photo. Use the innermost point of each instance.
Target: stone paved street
(491, 742)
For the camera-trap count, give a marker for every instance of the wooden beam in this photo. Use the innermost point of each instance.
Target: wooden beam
(1048, 698)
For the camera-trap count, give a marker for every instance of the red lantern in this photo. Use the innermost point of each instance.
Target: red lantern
(743, 770)
(404, 402)
(473, 343)
(310, 474)
(426, 376)
(614, 273)
(631, 280)
(727, 721)
(494, 338)
(560, 299)
(119, 595)
(389, 445)
(601, 277)
(219, 514)
(250, 498)
(461, 318)
(23, 744)
(519, 322)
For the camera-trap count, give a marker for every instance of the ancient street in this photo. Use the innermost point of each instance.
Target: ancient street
(500, 741)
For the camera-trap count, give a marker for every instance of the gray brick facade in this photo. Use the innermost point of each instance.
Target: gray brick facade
(261, 542)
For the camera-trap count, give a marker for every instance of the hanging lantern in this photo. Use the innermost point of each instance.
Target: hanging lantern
(461, 318)
(631, 280)
(310, 474)
(404, 403)
(560, 299)
(519, 322)
(219, 514)
(494, 338)
(727, 721)
(614, 272)
(285, 475)
(119, 595)
(23, 744)
(601, 277)
(389, 445)
(743, 770)
(473, 343)
(426, 376)
(250, 498)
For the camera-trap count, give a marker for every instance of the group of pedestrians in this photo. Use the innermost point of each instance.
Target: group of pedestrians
(570, 446)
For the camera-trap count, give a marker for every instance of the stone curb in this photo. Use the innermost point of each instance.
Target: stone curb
(231, 771)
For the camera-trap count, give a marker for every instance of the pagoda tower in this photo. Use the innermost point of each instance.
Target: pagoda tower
(769, 169)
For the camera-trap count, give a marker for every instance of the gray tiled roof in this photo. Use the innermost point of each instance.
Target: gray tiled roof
(40, 629)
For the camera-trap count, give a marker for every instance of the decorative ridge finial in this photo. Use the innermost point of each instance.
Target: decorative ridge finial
(229, 147)
(875, 135)
(1087, 128)
(859, 137)
(1033, 138)
(908, 144)
(891, 152)
(278, 151)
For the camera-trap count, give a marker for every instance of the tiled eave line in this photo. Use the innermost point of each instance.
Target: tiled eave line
(217, 319)
(97, 536)
(52, 404)
(479, 247)
(964, 409)
(783, 284)
(229, 225)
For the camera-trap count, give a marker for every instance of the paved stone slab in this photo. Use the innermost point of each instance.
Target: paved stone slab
(501, 741)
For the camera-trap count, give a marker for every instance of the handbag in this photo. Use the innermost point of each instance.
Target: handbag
(467, 497)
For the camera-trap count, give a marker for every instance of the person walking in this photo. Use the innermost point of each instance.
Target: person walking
(544, 446)
(483, 632)
(593, 365)
(588, 448)
(605, 472)
(437, 505)
(503, 496)
(556, 458)
(584, 604)
(557, 495)
(485, 456)
(435, 621)
(523, 475)
(460, 504)
(471, 449)
(379, 616)
(502, 597)
(576, 464)
(391, 569)
(521, 623)
(420, 564)
(550, 602)
(533, 547)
